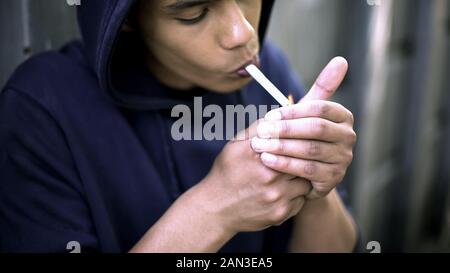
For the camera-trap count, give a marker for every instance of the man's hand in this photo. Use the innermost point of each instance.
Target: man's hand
(313, 139)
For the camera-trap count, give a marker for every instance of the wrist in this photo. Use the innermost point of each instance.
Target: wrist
(329, 218)
(205, 204)
(188, 226)
(327, 205)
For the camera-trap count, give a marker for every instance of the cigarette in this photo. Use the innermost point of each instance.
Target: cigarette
(268, 85)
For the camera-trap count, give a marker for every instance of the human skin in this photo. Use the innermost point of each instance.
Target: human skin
(225, 39)
(288, 166)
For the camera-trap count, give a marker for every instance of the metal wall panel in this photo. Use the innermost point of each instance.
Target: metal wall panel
(31, 26)
(398, 53)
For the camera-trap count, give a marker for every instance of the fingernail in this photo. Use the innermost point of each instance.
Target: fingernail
(269, 159)
(273, 116)
(266, 130)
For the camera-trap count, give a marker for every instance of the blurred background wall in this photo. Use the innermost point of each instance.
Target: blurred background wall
(31, 26)
(397, 87)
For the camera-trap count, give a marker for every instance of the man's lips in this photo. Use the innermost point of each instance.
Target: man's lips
(241, 72)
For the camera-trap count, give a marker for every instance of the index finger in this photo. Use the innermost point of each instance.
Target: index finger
(328, 110)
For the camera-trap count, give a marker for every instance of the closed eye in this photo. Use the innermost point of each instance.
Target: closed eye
(191, 21)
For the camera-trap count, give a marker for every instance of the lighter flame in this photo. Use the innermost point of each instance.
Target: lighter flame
(291, 100)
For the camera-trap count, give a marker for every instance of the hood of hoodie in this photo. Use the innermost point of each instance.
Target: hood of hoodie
(100, 24)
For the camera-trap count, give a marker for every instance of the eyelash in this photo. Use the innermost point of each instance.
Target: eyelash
(196, 19)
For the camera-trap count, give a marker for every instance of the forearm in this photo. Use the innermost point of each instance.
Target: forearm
(186, 227)
(324, 225)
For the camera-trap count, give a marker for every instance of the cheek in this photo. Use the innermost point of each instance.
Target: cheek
(201, 61)
(188, 49)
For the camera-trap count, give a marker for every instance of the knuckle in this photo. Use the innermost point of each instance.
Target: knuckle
(291, 112)
(319, 108)
(349, 157)
(318, 127)
(267, 176)
(337, 174)
(280, 146)
(351, 117)
(310, 168)
(314, 149)
(284, 163)
(272, 196)
(284, 128)
(281, 213)
(352, 137)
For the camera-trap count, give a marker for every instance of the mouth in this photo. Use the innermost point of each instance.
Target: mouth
(241, 72)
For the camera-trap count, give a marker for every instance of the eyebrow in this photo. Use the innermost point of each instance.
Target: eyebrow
(183, 4)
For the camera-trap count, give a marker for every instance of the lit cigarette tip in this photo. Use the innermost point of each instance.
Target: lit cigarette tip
(268, 85)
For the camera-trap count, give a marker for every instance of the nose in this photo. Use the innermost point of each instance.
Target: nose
(235, 30)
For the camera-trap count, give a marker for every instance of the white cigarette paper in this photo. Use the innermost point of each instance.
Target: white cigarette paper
(268, 85)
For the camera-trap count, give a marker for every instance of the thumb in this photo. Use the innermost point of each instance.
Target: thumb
(328, 81)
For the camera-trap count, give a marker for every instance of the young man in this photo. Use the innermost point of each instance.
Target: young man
(87, 155)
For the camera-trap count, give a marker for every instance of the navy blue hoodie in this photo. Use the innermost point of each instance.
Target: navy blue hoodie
(86, 152)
